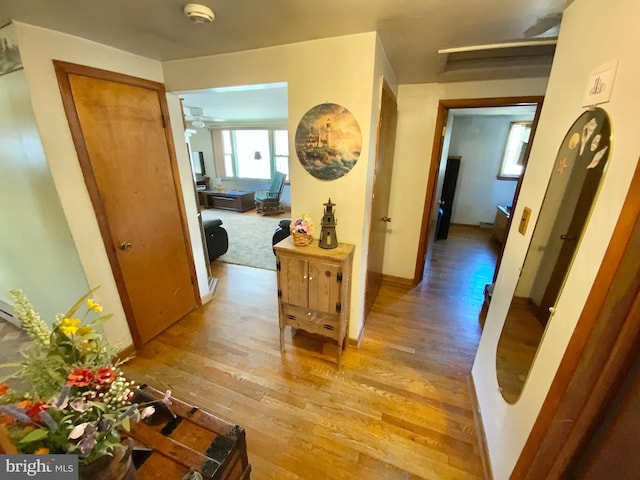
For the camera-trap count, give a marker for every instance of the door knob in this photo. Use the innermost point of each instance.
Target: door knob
(126, 246)
(566, 237)
(385, 219)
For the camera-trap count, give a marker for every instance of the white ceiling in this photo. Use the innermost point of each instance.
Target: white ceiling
(224, 106)
(412, 31)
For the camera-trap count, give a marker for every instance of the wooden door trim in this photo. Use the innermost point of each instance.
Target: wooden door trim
(436, 153)
(63, 70)
(602, 346)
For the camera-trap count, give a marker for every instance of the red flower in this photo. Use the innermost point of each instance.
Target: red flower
(34, 410)
(80, 377)
(3, 388)
(104, 376)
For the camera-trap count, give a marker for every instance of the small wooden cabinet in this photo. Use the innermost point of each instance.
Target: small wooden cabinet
(314, 286)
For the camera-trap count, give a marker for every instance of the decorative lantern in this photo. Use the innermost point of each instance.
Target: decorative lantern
(328, 237)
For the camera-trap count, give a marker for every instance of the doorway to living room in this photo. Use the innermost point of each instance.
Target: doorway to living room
(238, 139)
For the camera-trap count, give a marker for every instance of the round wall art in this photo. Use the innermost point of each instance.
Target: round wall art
(328, 141)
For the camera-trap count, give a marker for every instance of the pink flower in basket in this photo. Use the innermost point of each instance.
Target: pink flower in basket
(302, 225)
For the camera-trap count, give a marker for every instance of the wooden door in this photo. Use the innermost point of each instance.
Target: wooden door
(324, 286)
(380, 196)
(120, 128)
(292, 276)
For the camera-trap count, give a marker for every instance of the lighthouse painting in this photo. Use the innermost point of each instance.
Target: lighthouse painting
(328, 141)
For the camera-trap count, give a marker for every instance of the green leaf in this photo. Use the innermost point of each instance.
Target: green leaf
(75, 307)
(38, 434)
(101, 319)
(126, 423)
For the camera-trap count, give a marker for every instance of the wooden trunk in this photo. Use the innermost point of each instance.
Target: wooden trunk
(182, 438)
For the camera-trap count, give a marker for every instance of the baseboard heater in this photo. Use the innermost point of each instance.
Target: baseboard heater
(6, 313)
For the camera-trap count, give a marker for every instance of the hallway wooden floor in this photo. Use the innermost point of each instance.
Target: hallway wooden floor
(400, 407)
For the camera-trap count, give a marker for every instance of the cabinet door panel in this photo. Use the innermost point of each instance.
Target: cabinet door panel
(292, 281)
(324, 289)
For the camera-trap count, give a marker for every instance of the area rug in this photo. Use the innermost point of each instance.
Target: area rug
(250, 237)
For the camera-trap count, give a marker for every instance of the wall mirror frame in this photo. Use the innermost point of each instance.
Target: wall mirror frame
(572, 190)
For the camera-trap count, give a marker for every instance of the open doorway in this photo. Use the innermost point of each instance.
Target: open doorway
(480, 190)
(238, 139)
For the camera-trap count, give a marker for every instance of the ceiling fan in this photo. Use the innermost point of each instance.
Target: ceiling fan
(195, 117)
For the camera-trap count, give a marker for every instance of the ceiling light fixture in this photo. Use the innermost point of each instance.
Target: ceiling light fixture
(198, 13)
(197, 113)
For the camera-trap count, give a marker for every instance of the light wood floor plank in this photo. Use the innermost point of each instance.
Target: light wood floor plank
(398, 409)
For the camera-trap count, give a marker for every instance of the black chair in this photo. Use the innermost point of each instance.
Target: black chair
(216, 237)
(268, 201)
(282, 232)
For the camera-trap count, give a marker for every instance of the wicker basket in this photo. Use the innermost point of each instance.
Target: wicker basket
(301, 239)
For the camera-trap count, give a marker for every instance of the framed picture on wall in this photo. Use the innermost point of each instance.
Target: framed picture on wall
(10, 60)
(328, 141)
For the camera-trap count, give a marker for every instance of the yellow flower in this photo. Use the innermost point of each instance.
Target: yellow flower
(96, 307)
(42, 451)
(84, 330)
(69, 326)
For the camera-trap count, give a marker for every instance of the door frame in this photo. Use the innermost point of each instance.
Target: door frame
(63, 70)
(434, 168)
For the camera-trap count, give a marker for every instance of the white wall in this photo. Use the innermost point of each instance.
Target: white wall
(38, 46)
(37, 253)
(338, 70)
(189, 196)
(480, 141)
(418, 108)
(592, 34)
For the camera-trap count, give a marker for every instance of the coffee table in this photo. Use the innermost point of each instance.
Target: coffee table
(236, 200)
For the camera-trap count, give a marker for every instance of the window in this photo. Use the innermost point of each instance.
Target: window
(255, 153)
(513, 160)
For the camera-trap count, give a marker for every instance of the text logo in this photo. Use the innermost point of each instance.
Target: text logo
(50, 467)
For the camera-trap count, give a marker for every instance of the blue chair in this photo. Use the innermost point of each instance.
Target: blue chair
(268, 201)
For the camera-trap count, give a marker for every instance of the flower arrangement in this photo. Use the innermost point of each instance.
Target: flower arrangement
(78, 401)
(302, 225)
(301, 230)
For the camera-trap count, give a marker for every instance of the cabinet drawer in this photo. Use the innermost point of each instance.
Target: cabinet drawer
(325, 324)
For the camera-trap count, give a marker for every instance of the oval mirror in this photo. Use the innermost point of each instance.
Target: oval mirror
(568, 201)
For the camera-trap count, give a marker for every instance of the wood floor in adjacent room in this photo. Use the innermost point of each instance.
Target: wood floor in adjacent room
(399, 408)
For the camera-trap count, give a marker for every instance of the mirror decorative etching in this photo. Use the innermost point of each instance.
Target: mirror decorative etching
(568, 201)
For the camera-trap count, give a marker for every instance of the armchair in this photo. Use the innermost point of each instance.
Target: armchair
(268, 201)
